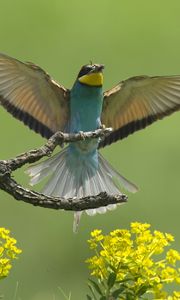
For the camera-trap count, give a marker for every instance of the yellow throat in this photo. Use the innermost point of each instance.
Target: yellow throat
(92, 79)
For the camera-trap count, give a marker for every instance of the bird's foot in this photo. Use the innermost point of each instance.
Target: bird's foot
(81, 133)
(102, 126)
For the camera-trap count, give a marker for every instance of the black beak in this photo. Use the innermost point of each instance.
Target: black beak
(99, 68)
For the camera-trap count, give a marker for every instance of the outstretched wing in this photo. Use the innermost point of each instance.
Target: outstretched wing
(30, 95)
(138, 102)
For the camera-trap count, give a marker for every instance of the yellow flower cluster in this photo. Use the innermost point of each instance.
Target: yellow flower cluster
(131, 257)
(8, 252)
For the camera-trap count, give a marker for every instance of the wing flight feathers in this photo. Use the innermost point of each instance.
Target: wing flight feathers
(32, 96)
(138, 102)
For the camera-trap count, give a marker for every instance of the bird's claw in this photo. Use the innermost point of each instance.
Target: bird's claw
(82, 135)
(102, 126)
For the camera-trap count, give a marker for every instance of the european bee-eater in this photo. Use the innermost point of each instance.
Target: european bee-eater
(32, 96)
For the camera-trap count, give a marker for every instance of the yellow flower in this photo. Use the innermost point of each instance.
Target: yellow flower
(175, 296)
(1, 250)
(96, 237)
(172, 256)
(168, 274)
(8, 252)
(95, 233)
(132, 256)
(169, 237)
(137, 227)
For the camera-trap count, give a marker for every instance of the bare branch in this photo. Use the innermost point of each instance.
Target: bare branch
(19, 193)
(10, 186)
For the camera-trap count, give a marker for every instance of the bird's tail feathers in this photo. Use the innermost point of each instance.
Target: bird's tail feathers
(128, 185)
(84, 180)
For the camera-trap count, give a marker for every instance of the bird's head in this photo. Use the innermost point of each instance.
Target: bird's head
(91, 75)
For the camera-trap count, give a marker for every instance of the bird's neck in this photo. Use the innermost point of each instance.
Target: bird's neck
(86, 91)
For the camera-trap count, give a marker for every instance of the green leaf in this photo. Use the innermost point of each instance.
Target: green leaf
(96, 286)
(142, 290)
(111, 280)
(92, 291)
(89, 297)
(117, 292)
(112, 268)
(130, 295)
(124, 280)
(103, 298)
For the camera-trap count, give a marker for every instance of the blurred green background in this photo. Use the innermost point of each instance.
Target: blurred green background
(130, 38)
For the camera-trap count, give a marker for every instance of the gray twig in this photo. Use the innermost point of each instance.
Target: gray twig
(10, 186)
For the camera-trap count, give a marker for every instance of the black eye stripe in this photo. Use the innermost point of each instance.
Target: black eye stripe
(85, 70)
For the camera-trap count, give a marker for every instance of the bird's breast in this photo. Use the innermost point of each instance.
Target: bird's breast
(85, 112)
(85, 109)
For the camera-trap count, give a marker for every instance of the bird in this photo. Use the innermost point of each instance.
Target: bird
(79, 170)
